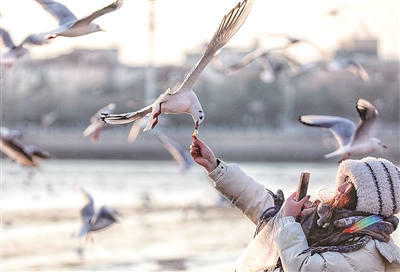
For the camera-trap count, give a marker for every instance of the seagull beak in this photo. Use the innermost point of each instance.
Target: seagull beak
(102, 30)
(196, 125)
(384, 146)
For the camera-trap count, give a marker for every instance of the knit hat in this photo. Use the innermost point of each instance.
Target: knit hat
(377, 184)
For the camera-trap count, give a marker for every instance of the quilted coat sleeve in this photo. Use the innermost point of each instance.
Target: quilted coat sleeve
(248, 195)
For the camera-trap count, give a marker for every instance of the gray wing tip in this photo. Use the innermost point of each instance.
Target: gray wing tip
(103, 116)
(304, 122)
(363, 107)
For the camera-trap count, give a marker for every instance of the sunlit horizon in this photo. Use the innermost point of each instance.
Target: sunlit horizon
(184, 26)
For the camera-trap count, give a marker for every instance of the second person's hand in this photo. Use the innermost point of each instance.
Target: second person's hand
(203, 155)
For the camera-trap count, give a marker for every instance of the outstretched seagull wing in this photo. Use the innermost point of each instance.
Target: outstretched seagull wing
(59, 12)
(87, 211)
(341, 128)
(228, 27)
(126, 118)
(5, 37)
(34, 39)
(246, 60)
(368, 113)
(105, 217)
(110, 8)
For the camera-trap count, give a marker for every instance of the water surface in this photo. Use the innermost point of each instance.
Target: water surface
(173, 220)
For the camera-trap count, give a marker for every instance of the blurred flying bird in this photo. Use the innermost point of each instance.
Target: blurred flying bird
(352, 66)
(271, 68)
(353, 141)
(296, 68)
(13, 147)
(50, 118)
(337, 11)
(178, 152)
(291, 40)
(136, 128)
(262, 54)
(7, 133)
(17, 51)
(183, 99)
(96, 124)
(69, 24)
(93, 221)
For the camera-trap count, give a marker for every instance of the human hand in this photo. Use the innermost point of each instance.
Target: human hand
(293, 208)
(203, 155)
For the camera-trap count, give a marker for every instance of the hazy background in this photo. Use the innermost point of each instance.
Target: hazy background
(148, 47)
(177, 221)
(181, 25)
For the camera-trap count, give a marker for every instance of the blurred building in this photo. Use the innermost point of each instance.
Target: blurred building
(98, 75)
(70, 74)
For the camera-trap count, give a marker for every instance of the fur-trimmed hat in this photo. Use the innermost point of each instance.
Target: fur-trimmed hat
(377, 184)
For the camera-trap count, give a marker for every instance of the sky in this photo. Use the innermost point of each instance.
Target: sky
(183, 26)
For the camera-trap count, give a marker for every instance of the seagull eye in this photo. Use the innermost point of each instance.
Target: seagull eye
(201, 117)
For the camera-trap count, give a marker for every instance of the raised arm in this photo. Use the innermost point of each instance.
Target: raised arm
(248, 195)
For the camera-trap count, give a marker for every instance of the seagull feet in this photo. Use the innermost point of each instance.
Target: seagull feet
(345, 157)
(95, 137)
(89, 238)
(155, 116)
(155, 122)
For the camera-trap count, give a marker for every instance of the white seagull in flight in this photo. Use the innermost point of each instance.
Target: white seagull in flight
(17, 51)
(96, 125)
(183, 99)
(353, 141)
(94, 221)
(69, 25)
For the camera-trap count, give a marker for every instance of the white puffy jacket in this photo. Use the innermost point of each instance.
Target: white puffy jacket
(251, 198)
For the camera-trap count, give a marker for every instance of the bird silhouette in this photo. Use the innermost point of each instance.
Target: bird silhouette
(337, 11)
(96, 124)
(69, 24)
(183, 99)
(94, 221)
(353, 141)
(291, 40)
(16, 52)
(271, 68)
(178, 152)
(14, 148)
(353, 66)
(264, 55)
(135, 129)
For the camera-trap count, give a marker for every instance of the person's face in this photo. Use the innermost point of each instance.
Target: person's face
(343, 189)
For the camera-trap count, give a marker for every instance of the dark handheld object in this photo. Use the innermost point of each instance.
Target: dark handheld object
(303, 185)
